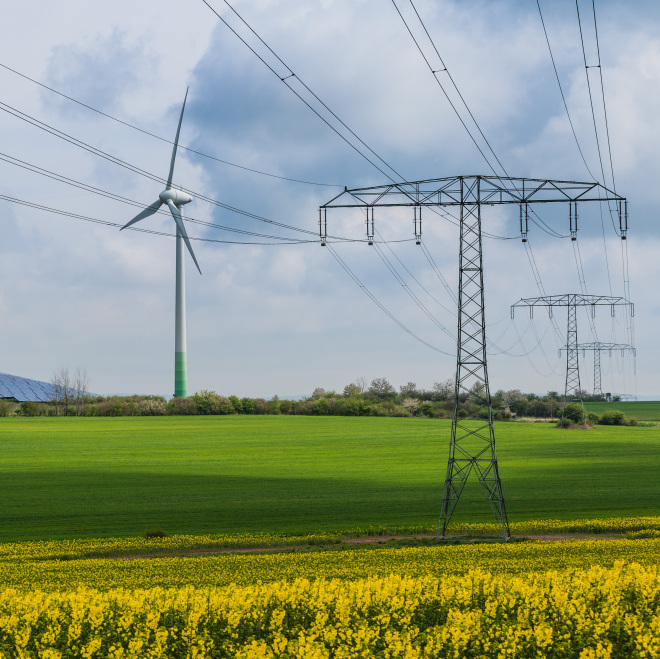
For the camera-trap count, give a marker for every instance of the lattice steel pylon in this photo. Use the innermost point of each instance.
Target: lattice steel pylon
(572, 301)
(597, 347)
(472, 442)
(472, 446)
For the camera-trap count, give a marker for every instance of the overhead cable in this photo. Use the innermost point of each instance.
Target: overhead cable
(291, 77)
(86, 218)
(377, 302)
(536, 219)
(561, 91)
(133, 168)
(162, 139)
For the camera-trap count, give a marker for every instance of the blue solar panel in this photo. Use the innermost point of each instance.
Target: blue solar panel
(13, 386)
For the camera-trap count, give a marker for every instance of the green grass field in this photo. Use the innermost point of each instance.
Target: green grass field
(100, 477)
(642, 410)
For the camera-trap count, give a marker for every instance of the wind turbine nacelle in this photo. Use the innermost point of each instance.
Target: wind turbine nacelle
(179, 198)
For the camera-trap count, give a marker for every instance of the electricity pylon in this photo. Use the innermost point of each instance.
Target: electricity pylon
(597, 347)
(472, 442)
(572, 301)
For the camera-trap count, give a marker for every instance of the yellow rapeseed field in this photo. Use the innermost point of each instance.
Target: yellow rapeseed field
(585, 613)
(571, 599)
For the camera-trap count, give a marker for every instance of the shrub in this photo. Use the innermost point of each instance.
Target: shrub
(30, 408)
(274, 406)
(574, 413)
(110, 407)
(151, 407)
(5, 408)
(411, 404)
(286, 406)
(613, 418)
(182, 406)
(248, 406)
(321, 406)
(208, 402)
(592, 418)
(388, 408)
(155, 533)
(260, 406)
(303, 407)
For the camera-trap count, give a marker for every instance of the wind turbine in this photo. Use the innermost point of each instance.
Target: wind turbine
(175, 199)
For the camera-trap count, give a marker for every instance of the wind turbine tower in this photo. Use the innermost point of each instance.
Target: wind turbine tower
(175, 199)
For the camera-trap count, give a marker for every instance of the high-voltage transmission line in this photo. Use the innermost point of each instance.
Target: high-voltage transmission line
(572, 301)
(472, 443)
(597, 347)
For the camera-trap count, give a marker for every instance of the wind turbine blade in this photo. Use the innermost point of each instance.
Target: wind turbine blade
(176, 143)
(176, 214)
(149, 210)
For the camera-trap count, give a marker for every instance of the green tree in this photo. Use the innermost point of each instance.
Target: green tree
(381, 388)
(409, 390)
(352, 389)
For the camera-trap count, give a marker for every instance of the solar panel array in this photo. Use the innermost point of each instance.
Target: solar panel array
(13, 386)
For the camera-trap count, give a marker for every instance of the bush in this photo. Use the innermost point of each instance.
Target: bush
(110, 407)
(260, 406)
(286, 406)
(5, 408)
(592, 418)
(182, 406)
(248, 406)
(30, 408)
(151, 407)
(321, 406)
(388, 408)
(208, 402)
(274, 405)
(155, 533)
(574, 413)
(613, 418)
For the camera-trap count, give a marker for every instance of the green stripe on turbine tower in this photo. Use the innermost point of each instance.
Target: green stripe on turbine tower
(180, 375)
(175, 199)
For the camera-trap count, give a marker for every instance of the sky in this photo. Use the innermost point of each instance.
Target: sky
(285, 318)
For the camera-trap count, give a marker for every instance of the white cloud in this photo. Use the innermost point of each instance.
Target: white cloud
(265, 320)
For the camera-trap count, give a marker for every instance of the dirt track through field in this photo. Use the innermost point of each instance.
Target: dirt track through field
(356, 541)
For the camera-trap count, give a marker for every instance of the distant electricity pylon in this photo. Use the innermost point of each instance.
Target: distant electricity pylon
(572, 301)
(472, 442)
(597, 347)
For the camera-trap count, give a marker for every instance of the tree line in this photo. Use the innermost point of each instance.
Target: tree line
(359, 398)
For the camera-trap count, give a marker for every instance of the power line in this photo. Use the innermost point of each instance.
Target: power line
(563, 98)
(115, 197)
(444, 69)
(538, 221)
(87, 218)
(290, 75)
(412, 295)
(136, 170)
(158, 137)
(377, 302)
(602, 88)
